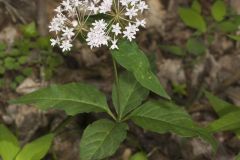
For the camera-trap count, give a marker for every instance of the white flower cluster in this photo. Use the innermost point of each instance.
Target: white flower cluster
(120, 18)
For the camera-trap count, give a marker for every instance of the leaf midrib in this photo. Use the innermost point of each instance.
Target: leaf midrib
(223, 127)
(108, 133)
(167, 123)
(61, 99)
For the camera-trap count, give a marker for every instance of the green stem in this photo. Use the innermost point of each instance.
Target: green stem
(112, 115)
(117, 87)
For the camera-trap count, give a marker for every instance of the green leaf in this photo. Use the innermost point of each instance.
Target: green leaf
(180, 89)
(27, 71)
(227, 26)
(131, 94)
(43, 42)
(230, 121)
(163, 117)
(37, 149)
(197, 6)
(15, 53)
(29, 30)
(234, 37)
(219, 10)
(134, 60)
(193, 19)
(196, 46)
(73, 98)
(220, 106)
(101, 139)
(19, 79)
(139, 156)
(9, 63)
(223, 108)
(22, 60)
(9, 145)
(175, 50)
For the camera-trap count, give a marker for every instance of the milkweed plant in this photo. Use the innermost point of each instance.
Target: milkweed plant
(113, 24)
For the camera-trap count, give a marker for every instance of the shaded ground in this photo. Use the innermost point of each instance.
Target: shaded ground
(217, 70)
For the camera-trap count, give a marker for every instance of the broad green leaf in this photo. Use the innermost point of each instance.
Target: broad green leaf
(219, 10)
(73, 98)
(193, 19)
(139, 156)
(230, 121)
(234, 37)
(131, 94)
(197, 6)
(223, 108)
(150, 81)
(134, 60)
(163, 117)
(220, 106)
(101, 139)
(196, 46)
(9, 145)
(37, 149)
(175, 50)
(227, 26)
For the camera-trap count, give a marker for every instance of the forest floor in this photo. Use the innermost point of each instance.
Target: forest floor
(217, 70)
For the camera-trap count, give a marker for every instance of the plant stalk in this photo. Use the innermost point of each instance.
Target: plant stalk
(117, 87)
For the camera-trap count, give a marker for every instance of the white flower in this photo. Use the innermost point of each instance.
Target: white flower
(130, 32)
(141, 23)
(57, 23)
(132, 12)
(54, 27)
(142, 6)
(106, 6)
(97, 35)
(66, 45)
(76, 3)
(116, 29)
(60, 19)
(114, 44)
(68, 32)
(93, 8)
(55, 41)
(100, 24)
(120, 20)
(67, 5)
